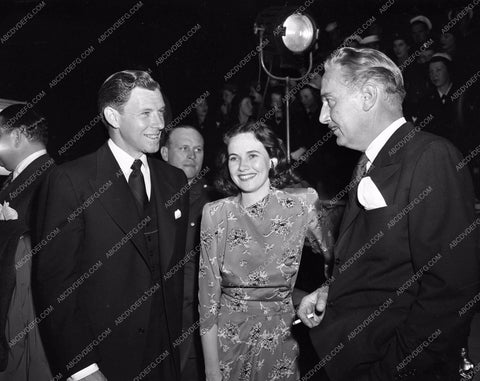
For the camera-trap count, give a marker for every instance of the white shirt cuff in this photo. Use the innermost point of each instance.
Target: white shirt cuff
(84, 372)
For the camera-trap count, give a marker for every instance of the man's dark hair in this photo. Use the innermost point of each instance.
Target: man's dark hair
(280, 176)
(116, 89)
(20, 116)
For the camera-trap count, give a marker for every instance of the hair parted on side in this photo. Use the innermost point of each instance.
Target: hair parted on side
(364, 64)
(32, 124)
(280, 175)
(116, 89)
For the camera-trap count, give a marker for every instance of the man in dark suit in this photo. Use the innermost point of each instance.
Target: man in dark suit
(183, 148)
(405, 261)
(23, 139)
(119, 219)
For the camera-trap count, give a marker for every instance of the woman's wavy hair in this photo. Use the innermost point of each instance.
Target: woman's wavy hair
(280, 176)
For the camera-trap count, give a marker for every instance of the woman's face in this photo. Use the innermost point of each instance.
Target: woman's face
(202, 108)
(249, 165)
(246, 107)
(400, 49)
(256, 96)
(227, 97)
(447, 41)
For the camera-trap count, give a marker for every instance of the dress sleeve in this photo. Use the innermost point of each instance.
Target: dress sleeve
(209, 272)
(320, 226)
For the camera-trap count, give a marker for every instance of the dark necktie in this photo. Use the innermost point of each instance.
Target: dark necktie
(137, 184)
(443, 98)
(7, 181)
(360, 168)
(359, 171)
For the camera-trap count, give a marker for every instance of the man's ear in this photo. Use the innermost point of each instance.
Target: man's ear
(164, 153)
(273, 162)
(369, 96)
(18, 136)
(112, 116)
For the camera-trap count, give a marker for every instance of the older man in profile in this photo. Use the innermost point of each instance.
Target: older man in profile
(183, 148)
(393, 308)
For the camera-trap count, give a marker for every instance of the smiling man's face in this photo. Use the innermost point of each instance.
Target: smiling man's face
(140, 122)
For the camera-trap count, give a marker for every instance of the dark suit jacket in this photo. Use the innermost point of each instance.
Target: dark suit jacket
(429, 203)
(97, 276)
(21, 194)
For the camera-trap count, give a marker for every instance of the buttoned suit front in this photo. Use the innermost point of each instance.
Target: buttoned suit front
(99, 272)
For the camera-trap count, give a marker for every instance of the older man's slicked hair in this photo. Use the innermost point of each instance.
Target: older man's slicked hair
(362, 65)
(116, 89)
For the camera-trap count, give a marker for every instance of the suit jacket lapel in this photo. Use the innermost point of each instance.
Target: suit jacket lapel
(165, 214)
(118, 200)
(383, 167)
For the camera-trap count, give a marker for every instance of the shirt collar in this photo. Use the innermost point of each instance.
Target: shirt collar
(377, 144)
(446, 92)
(27, 161)
(124, 160)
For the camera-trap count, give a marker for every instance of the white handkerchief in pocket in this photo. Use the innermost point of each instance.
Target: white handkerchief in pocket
(369, 196)
(177, 214)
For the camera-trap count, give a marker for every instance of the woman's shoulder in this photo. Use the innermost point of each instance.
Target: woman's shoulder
(306, 194)
(216, 207)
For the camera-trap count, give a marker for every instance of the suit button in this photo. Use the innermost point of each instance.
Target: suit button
(329, 304)
(192, 223)
(337, 261)
(141, 331)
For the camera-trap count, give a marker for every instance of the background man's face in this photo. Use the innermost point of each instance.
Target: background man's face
(185, 151)
(307, 98)
(140, 122)
(419, 33)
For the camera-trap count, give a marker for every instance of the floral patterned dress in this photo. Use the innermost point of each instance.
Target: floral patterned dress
(248, 267)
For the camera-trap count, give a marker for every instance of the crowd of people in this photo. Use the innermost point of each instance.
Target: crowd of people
(175, 253)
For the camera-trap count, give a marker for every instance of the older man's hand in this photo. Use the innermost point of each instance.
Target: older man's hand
(313, 304)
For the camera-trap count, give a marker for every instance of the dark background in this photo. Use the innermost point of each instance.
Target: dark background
(63, 29)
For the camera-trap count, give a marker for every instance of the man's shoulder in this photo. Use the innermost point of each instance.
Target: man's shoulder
(410, 141)
(78, 170)
(168, 172)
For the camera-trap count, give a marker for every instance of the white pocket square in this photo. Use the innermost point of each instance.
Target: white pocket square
(369, 196)
(177, 214)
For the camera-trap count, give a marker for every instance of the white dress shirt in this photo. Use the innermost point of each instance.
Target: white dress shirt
(26, 162)
(377, 144)
(125, 161)
(368, 194)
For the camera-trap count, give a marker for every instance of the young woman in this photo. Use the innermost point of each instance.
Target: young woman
(251, 247)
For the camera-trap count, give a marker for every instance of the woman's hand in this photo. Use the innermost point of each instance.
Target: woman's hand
(213, 375)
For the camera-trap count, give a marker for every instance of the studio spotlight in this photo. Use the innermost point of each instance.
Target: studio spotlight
(283, 31)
